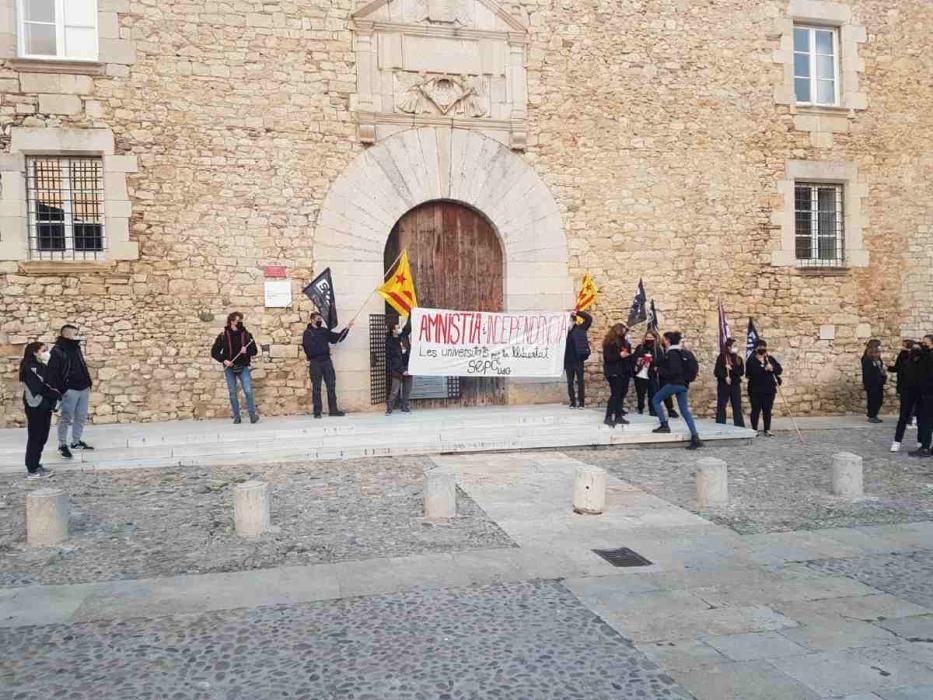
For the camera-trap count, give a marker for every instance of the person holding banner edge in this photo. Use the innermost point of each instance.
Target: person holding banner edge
(234, 348)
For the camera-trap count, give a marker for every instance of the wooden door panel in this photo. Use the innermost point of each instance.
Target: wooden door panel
(456, 260)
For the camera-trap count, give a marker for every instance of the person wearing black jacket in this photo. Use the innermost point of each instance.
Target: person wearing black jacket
(39, 402)
(617, 366)
(316, 342)
(677, 369)
(909, 382)
(925, 411)
(729, 371)
(235, 348)
(764, 374)
(874, 377)
(397, 367)
(68, 372)
(899, 364)
(575, 354)
(646, 374)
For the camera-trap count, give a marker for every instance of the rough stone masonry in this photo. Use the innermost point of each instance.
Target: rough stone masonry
(662, 132)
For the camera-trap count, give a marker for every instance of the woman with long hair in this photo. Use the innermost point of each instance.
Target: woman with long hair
(617, 366)
(39, 402)
(874, 377)
(729, 372)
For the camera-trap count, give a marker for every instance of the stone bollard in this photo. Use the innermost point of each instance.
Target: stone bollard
(712, 483)
(589, 491)
(47, 514)
(440, 495)
(847, 475)
(251, 508)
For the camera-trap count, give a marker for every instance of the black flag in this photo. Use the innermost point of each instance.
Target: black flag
(652, 318)
(751, 338)
(321, 293)
(639, 311)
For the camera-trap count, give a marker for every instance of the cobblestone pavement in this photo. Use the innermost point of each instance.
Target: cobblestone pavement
(777, 484)
(907, 575)
(525, 640)
(162, 522)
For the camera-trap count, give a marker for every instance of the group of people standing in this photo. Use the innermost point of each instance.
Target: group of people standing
(662, 370)
(913, 369)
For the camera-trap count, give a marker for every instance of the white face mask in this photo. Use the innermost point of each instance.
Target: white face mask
(733, 350)
(44, 357)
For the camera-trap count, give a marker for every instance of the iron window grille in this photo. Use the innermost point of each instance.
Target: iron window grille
(819, 225)
(65, 208)
(816, 65)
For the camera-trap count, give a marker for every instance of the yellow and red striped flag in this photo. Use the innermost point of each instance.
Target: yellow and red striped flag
(587, 296)
(399, 289)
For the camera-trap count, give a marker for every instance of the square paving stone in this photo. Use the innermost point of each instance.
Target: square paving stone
(918, 628)
(682, 654)
(868, 607)
(924, 692)
(746, 680)
(750, 647)
(834, 633)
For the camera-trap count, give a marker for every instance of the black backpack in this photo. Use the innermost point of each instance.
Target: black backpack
(691, 366)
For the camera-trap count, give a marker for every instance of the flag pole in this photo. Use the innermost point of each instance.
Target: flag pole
(372, 293)
(790, 415)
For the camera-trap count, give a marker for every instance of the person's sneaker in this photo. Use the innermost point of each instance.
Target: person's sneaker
(46, 473)
(64, 451)
(336, 414)
(237, 420)
(609, 422)
(317, 415)
(388, 411)
(81, 445)
(36, 475)
(406, 410)
(622, 421)
(674, 414)
(768, 433)
(895, 447)
(662, 429)
(919, 452)
(580, 405)
(573, 405)
(875, 420)
(254, 419)
(695, 443)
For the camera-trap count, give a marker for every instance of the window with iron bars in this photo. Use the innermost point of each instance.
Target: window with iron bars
(65, 202)
(819, 225)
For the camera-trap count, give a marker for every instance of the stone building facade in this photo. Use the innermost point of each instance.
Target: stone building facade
(157, 158)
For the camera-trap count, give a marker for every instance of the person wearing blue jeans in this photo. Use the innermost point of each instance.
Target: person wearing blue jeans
(674, 368)
(234, 348)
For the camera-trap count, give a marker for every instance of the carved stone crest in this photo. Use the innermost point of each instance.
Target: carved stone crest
(446, 93)
(443, 11)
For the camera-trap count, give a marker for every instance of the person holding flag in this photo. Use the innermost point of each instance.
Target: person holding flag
(730, 368)
(234, 348)
(577, 348)
(317, 339)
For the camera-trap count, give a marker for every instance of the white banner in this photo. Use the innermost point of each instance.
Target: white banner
(482, 344)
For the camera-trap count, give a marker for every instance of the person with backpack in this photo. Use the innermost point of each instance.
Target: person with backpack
(729, 371)
(575, 354)
(68, 372)
(234, 348)
(678, 367)
(617, 367)
(40, 400)
(764, 375)
(646, 374)
(874, 377)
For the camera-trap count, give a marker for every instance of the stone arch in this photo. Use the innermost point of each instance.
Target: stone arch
(417, 166)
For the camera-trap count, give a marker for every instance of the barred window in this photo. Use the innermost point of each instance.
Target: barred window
(65, 29)
(818, 213)
(65, 201)
(816, 63)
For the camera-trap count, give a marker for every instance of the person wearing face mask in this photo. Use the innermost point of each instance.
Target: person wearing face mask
(874, 377)
(646, 374)
(68, 372)
(235, 347)
(907, 345)
(925, 411)
(316, 342)
(397, 366)
(678, 368)
(40, 400)
(764, 374)
(576, 352)
(729, 371)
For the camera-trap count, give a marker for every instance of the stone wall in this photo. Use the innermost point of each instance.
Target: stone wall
(653, 124)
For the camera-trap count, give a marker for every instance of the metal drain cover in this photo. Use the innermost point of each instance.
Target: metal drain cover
(623, 556)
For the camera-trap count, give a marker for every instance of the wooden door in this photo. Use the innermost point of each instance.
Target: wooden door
(456, 260)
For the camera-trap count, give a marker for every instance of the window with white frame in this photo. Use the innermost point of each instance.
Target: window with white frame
(62, 29)
(65, 207)
(819, 224)
(816, 65)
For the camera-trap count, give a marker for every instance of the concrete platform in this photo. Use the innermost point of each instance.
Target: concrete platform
(301, 438)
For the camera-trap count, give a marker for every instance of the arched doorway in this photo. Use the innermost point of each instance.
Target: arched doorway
(456, 261)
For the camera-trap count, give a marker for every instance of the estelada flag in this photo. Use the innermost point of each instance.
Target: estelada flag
(588, 293)
(399, 289)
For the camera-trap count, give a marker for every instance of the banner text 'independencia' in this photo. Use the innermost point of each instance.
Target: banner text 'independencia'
(476, 327)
